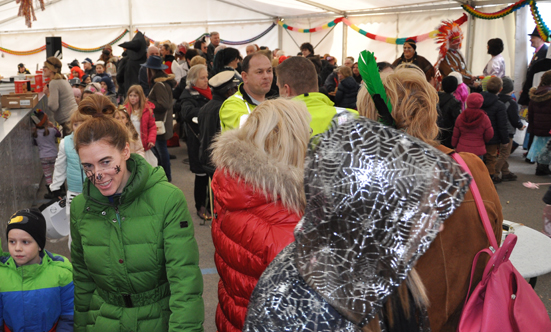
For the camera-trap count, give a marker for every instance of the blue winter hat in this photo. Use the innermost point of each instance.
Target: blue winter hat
(154, 62)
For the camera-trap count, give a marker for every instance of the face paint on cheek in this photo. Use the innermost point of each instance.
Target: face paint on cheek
(91, 176)
(117, 169)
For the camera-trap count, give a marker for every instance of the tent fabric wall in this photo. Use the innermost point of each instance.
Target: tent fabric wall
(81, 25)
(332, 44)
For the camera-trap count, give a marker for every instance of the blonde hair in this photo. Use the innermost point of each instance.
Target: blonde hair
(197, 60)
(77, 117)
(134, 136)
(345, 71)
(281, 128)
(413, 102)
(415, 285)
(137, 89)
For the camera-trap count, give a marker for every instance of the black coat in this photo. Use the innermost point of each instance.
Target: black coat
(540, 63)
(121, 67)
(347, 93)
(191, 102)
(539, 111)
(209, 126)
(498, 117)
(449, 110)
(326, 71)
(137, 54)
(512, 114)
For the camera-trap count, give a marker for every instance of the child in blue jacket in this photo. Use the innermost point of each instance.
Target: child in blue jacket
(36, 288)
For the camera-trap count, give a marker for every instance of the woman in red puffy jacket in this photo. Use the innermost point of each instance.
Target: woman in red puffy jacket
(259, 198)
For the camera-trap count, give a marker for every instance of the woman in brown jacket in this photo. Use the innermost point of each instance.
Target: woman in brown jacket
(445, 268)
(160, 94)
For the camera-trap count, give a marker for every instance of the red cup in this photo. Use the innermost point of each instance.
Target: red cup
(39, 83)
(21, 86)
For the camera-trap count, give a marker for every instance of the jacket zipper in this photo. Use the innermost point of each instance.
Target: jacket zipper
(118, 215)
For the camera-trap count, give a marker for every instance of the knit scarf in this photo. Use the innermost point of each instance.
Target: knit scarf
(204, 92)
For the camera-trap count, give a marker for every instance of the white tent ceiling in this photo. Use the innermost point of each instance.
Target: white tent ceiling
(87, 24)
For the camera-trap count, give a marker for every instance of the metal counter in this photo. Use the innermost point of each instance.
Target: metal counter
(20, 170)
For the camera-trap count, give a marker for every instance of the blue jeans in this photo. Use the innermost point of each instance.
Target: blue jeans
(164, 157)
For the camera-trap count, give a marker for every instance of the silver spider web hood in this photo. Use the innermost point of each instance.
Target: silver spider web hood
(376, 198)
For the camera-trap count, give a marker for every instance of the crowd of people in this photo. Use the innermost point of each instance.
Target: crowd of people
(334, 208)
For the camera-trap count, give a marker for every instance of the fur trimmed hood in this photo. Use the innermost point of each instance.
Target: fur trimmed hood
(540, 94)
(165, 78)
(243, 160)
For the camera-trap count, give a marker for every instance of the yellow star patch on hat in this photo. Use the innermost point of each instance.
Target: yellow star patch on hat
(16, 220)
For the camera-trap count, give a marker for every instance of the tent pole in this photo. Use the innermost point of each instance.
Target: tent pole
(280, 37)
(344, 41)
(470, 41)
(131, 23)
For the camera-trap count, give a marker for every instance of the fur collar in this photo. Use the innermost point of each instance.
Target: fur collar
(540, 94)
(165, 78)
(243, 160)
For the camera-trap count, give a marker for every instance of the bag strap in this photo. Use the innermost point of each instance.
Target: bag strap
(479, 203)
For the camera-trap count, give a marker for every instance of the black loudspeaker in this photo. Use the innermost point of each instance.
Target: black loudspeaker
(53, 46)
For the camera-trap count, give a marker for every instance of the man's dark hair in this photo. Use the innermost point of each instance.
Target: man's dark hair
(191, 53)
(384, 65)
(495, 46)
(299, 73)
(307, 46)
(245, 63)
(494, 85)
(198, 43)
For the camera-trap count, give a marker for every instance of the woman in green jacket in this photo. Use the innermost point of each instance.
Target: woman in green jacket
(134, 252)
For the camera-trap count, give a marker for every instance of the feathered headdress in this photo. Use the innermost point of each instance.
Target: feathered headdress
(449, 32)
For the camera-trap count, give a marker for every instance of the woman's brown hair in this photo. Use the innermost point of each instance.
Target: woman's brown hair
(345, 71)
(54, 64)
(101, 126)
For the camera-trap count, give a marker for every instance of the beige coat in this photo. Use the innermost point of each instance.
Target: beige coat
(446, 267)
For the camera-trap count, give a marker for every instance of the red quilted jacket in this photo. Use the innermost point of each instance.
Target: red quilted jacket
(148, 129)
(249, 228)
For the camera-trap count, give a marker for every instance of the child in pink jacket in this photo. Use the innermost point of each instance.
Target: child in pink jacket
(472, 128)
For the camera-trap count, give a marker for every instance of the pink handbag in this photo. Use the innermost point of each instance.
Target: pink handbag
(503, 301)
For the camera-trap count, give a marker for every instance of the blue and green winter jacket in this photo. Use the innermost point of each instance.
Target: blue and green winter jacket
(36, 297)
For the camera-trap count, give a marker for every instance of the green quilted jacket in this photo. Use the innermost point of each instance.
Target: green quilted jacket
(135, 260)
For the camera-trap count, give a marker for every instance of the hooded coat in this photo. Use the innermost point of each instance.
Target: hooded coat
(471, 132)
(539, 111)
(258, 201)
(135, 259)
(136, 52)
(161, 97)
(497, 113)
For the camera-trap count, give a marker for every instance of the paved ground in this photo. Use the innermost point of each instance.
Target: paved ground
(519, 205)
